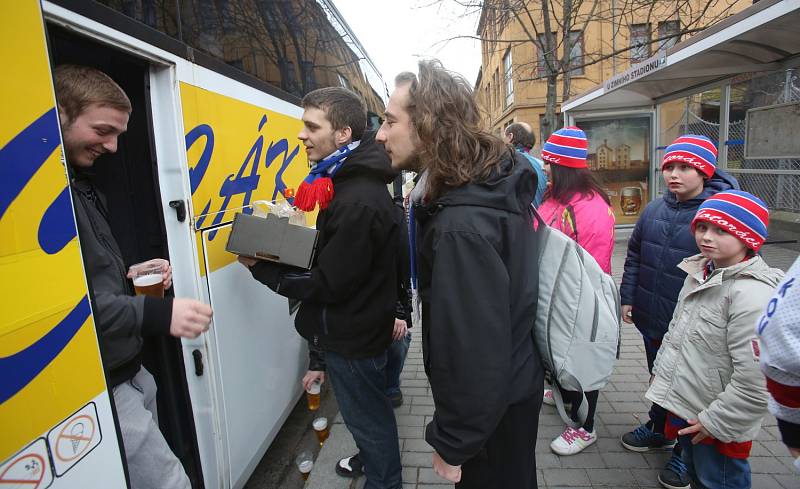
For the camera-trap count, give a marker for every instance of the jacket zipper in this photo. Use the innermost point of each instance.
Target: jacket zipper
(102, 239)
(666, 247)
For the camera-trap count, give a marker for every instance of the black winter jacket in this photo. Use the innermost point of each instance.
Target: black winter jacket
(122, 318)
(349, 295)
(661, 239)
(478, 281)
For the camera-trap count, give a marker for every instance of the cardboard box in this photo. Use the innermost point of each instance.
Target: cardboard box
(272, 238)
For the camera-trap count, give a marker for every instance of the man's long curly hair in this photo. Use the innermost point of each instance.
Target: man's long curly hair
(454, 146)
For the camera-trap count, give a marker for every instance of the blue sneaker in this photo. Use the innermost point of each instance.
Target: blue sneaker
(674, 475)
(644, 439)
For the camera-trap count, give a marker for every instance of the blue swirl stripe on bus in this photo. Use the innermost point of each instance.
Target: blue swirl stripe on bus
(196, 174)
(57, 227)
(246, 179)
(22, 157)
(19, 369)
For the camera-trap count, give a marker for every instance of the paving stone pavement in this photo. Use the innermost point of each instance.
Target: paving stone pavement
(621, 407)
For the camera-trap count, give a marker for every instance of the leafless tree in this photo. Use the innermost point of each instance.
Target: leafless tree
(553, 27)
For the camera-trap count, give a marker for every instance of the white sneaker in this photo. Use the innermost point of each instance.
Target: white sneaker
(548, 397)
(572, 441)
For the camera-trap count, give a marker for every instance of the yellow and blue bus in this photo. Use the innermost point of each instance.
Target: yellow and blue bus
(204, 141)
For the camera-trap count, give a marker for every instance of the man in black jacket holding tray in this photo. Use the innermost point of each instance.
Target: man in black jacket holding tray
(349, 295)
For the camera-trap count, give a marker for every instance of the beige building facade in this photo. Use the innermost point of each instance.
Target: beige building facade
(607, 37)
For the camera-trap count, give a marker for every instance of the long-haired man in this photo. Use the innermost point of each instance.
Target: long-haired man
(477, 276)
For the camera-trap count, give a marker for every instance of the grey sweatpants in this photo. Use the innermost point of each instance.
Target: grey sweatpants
(151, 463)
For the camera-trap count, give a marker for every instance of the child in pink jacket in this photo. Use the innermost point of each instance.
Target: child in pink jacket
(576, 205)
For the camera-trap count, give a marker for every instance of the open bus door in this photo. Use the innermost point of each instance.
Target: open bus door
(239, 152)
(56, 415)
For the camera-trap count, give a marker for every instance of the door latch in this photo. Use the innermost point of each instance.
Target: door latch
(180, 209)
(197, 355)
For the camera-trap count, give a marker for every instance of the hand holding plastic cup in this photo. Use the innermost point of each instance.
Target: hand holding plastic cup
(312, 395)
(305, 462)
(148, 277)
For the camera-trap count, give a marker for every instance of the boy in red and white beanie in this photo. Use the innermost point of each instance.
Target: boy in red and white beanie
(652, 279)
(706, 373)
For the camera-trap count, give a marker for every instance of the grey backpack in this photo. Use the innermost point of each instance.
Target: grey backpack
(577, 326)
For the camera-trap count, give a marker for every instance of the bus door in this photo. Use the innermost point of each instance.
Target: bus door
(56, 415)
(239, 152)
(138, 182)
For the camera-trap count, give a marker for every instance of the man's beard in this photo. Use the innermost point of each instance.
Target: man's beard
(413, 163)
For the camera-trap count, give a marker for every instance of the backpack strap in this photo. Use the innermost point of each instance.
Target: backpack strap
(583, 407)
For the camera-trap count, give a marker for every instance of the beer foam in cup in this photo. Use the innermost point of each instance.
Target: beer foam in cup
(314, 388)
(320, 424)
(145, 280)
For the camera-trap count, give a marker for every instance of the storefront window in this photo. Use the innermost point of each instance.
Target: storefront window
(619, 155)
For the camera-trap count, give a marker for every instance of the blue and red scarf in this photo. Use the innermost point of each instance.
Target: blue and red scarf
(317, 187)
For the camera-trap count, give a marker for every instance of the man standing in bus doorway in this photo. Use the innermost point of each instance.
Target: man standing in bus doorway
(349, 295)
(478, 280)
(93, 111)
(520, 135)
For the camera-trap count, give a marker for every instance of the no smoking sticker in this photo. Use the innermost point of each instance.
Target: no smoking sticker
(74, 438)
(28, 469)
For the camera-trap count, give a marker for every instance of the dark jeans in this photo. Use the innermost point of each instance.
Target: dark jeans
(397, 358)
(657, 414)
(360, 389)
(508, 460)
(710, 469)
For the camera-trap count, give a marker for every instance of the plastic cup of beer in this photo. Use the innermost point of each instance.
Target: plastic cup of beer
(312, 396)
(321, 428)
(305, 462)
(148, 279)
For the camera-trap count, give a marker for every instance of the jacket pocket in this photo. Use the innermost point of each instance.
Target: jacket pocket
(710, 332)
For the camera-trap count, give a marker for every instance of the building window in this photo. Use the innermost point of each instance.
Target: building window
(497, 88)
(640, 42)
(342, 81)
(488, 98)
(670, 34)
(541, 63)
(576, 53)
(508, 76)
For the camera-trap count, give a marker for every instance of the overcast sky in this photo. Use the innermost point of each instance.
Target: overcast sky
(396, 33)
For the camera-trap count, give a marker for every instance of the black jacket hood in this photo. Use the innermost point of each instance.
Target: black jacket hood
(510, 186)
(368, 158)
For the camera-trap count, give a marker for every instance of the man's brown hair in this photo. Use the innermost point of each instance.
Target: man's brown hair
(342, 107)
(78, 87)
(454, 146)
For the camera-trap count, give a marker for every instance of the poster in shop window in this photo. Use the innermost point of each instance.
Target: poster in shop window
(619, 156)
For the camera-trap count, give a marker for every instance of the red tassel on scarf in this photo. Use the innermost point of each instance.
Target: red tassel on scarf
(320, 191)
